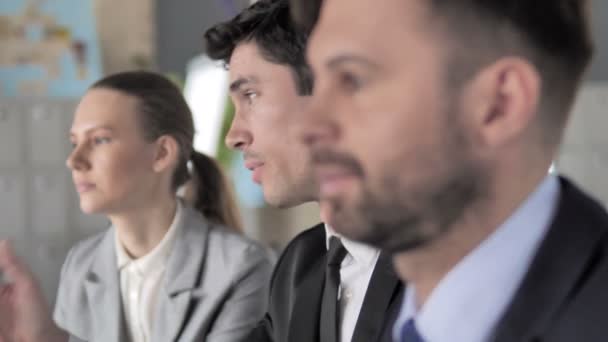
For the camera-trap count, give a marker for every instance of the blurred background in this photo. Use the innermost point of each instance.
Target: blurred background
(50, 51)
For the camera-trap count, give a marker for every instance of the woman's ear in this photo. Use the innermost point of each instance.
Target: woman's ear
(167, 153)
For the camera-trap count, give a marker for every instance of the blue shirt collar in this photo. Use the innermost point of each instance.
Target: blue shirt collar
(485, 280)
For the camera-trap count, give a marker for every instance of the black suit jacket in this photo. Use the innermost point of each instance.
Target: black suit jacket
(296, 288)
(564, 295)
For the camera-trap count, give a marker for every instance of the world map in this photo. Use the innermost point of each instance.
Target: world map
(48, 48)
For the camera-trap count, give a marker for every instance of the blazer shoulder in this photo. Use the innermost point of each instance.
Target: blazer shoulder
(236, 254)
(81, 255)
(311, 239)
(71, 311)
(227, 274)
(582, 209)
(217, 243)
(234, 244)
(301, 252)
(298, 258)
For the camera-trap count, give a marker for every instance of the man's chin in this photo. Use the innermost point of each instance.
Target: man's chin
(355, 227)
(346, 224)
(281, 200)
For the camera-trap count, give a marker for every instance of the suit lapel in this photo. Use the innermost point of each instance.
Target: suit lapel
(382, 290)
(560, 262)
(304, 322)
(181, 276)
(102, 287)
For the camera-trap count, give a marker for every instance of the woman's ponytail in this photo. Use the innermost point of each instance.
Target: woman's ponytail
(213, 195)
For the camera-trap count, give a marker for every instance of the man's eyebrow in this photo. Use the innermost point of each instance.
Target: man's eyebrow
(240, 82)
(350, 58)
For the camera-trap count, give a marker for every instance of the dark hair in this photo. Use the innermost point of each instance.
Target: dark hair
(305, 13)
(268, 24)
(164, 112)
(552, 34)
(220, 208)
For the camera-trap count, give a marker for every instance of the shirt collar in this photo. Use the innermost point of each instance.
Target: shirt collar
(361, 253)
(158, 256)
(485, 280)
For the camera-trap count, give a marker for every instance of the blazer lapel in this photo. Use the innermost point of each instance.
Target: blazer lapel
(304, 322)
(381, 293)
(181, 276)
(561, 260)
(102, 287)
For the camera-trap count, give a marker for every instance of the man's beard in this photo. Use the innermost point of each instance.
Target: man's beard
(404, 220)
(401, 217)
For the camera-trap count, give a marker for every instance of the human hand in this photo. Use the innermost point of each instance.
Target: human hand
(25, 315)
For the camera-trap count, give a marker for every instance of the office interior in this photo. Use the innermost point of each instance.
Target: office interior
(38, 205)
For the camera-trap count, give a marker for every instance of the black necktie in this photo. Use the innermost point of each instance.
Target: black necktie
(329, 308)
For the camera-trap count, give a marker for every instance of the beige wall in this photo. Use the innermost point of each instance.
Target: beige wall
(584, 153)
(276, 227)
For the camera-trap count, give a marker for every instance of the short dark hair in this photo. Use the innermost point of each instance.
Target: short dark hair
(268, 24)
(553, 35)
(305, 13)
(163, 111)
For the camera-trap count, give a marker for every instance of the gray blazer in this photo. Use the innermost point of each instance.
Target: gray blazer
(216, 287)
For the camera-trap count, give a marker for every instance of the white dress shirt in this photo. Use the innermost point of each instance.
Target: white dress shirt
(471, 298)
(141, 280)
(355, 273)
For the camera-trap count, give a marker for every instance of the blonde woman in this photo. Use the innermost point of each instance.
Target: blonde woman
(163, 271)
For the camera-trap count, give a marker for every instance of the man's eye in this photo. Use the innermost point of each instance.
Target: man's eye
(350, 82)
(250, 95)
(101, 140)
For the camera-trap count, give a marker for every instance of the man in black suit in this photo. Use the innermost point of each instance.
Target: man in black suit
(432, 127)
(313, 297)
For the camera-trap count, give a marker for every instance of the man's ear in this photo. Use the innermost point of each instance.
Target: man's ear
(502, 100)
